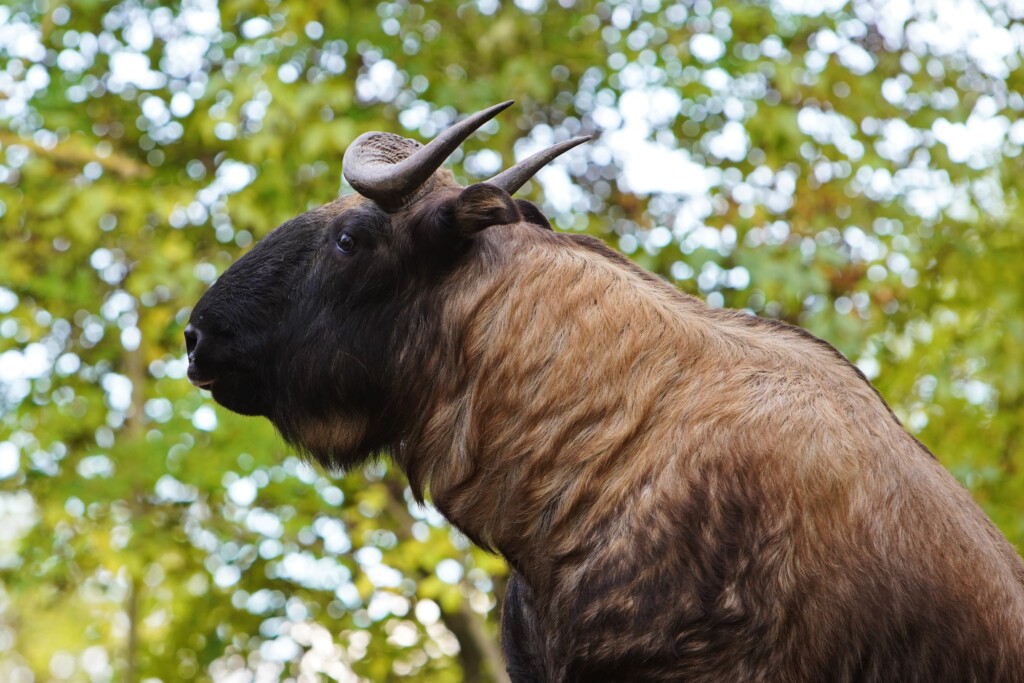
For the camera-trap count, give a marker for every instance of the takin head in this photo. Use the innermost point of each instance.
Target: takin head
(325, 326)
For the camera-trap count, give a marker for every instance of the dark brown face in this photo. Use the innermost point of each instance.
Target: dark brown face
(298, 329)
(230, 336)
(306, 328)
(239, 329)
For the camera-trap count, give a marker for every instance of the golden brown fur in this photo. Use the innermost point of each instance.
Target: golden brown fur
(688, 493)
(683, 493)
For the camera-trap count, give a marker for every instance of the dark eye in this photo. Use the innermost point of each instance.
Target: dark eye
(346, 243)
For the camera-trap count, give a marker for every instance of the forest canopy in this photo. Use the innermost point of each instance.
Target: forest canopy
(851, 167)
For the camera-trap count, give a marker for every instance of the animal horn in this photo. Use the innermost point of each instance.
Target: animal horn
(389, 169)
(515, 177)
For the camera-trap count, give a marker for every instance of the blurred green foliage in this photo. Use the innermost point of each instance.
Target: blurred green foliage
(851, 167)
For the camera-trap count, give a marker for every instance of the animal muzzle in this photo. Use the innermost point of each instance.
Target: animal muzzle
(196, 348)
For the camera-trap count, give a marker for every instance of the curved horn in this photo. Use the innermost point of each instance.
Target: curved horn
(374, 166)
(515, 177)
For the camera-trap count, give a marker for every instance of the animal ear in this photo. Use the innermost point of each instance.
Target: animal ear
(532, 214)
(480, 206)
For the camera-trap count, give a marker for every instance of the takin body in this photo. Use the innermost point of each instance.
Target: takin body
(682, 492)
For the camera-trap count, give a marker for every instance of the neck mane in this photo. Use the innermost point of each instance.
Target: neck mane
(570, 369)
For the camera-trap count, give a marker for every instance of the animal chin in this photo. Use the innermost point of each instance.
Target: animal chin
(196, 380)
(237, 395)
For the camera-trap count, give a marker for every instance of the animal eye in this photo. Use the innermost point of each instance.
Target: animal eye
(346, 243)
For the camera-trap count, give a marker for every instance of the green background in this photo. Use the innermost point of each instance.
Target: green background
(854, 168)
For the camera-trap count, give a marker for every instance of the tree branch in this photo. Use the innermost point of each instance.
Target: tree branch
(132, 644)
(477, 646)
(75, 153)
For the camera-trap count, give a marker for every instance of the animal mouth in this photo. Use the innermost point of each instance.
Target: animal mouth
(201, 382)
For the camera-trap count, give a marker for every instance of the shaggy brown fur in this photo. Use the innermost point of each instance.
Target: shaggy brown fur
(688, 493)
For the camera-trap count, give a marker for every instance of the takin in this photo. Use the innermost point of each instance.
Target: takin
(681, 492)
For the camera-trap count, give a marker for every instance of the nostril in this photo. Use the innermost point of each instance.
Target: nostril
(192, 336)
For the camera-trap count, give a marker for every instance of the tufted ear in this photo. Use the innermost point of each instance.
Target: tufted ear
(532, 214)
(480, 206)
